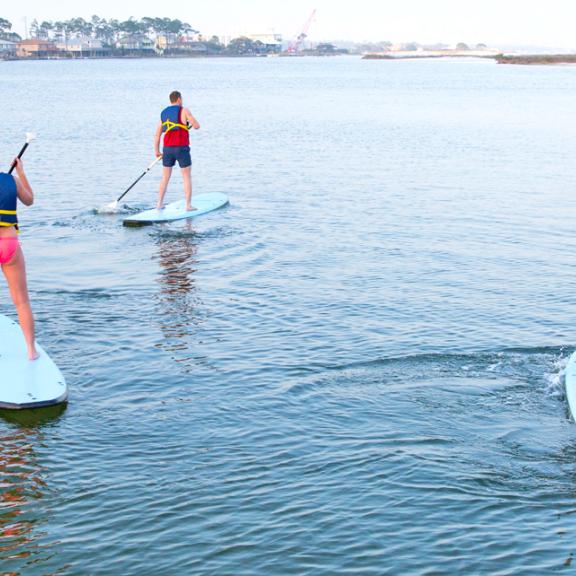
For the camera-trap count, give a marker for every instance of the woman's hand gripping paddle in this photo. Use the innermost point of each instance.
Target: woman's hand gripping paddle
(29, 138)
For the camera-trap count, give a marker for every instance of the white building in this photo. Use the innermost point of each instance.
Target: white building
(272, 41)
(83, 47)
(136, 43)
(7, 47)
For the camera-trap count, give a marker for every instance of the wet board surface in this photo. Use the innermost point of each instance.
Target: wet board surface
(203, 203)
(25, 384)
(571, 384)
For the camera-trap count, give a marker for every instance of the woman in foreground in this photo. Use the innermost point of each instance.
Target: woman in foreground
(13, 189)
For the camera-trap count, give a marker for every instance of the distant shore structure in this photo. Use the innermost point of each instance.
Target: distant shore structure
(296, 44)
(35, 48)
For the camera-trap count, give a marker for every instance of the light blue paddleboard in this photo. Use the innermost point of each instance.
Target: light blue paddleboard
(25, 383)
(177, 210)
(571, 384)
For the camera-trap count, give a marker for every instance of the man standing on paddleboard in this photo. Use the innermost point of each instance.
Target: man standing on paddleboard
(175, 124)
(11, 256)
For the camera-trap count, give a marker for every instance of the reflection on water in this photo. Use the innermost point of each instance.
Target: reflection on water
(23, 486)
(177, 298)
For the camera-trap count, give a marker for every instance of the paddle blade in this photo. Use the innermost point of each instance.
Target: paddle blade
(112, 208)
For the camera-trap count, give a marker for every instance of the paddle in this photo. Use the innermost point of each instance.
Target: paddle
(29, 138)
(114, 205)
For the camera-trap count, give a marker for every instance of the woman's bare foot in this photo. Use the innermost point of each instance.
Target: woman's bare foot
(190, 208)
(160, 207)
(33, 355)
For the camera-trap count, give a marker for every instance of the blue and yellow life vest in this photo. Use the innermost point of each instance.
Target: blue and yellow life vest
(8, 200)
(171, 119)
(175, 133)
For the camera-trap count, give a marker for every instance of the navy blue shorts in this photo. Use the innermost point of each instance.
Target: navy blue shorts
(171, 154)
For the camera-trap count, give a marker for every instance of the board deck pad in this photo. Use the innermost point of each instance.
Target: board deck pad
(570, 379)
(177, 210)
(24, 383)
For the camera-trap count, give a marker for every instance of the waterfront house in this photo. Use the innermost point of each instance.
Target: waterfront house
(7, 48)
(136, 44)
(183, 46)
(36, 48)
(83, 47)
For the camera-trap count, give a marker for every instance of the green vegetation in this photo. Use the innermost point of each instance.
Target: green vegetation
(108, 31)
(246, 47)
(6, 31)
(537, 59)
(325, 49)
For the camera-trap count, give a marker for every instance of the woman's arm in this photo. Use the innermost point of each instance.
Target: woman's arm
(25, 192)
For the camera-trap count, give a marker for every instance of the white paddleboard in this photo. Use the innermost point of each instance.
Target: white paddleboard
(570, 379)
(177, 210)
(25, 383)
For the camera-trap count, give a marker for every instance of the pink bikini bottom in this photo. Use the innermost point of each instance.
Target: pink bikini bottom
(8, 247)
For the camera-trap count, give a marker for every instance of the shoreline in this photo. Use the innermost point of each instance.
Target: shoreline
(162, 57)
(518, 59)
(425, 54)
(129, 57)
(537, 59)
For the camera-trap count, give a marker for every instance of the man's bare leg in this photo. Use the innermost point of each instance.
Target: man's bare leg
(187, 177)
(166, 173)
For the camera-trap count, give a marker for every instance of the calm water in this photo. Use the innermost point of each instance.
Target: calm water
(355, 368)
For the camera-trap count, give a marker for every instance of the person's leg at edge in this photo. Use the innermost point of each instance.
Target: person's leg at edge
(15, 273)
(187, 178)
(166, 173)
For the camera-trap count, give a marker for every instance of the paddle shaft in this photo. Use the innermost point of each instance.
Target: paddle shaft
(139, 178)
(19, 156)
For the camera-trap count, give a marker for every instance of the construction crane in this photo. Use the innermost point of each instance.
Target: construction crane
(297, 43)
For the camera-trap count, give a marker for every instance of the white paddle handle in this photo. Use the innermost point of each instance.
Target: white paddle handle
(29, 137)
(152, 164)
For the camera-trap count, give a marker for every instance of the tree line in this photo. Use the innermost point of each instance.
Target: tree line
(107, 31)
(6, 31)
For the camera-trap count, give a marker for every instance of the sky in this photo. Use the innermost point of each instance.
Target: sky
(493, 22)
